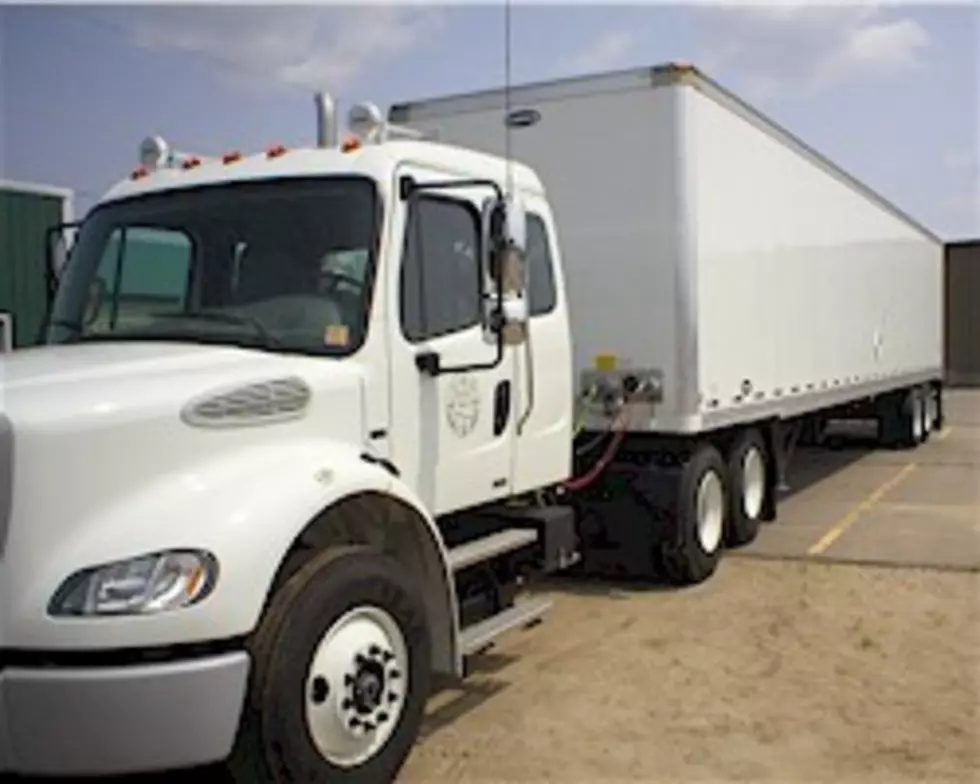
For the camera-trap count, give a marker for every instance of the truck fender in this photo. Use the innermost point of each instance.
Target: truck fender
(252, 509)
(386, 513)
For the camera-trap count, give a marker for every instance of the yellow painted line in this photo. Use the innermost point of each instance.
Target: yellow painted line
(864, 506)
(943, 434)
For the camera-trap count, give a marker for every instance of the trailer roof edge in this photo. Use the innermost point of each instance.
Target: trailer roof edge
(638, 78)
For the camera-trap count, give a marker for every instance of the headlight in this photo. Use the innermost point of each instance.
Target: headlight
(139, 586)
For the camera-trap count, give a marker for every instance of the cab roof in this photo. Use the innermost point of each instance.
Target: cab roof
(378, 161)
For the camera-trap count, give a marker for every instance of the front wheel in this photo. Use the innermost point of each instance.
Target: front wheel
(341, 673)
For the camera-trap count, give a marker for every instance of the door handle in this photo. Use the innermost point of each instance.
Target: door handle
(501, 406)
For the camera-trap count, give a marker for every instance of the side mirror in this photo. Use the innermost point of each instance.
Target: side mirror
(515, 224)
(506, 241)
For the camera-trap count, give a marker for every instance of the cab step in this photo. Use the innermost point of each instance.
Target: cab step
(480, 636)
(487, 547)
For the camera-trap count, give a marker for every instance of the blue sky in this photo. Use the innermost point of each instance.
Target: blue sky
(890, 92)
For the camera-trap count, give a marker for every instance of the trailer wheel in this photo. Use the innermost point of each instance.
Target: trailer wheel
(900, 420)
(340, 675)
(918, 418)
(926, 407)
(692, 553)
(747, 471)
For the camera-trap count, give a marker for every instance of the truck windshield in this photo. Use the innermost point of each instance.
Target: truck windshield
(283, 265)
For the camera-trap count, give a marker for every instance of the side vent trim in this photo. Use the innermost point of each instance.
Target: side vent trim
(249, 405)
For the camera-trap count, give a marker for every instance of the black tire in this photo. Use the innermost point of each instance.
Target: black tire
(742, 527)
(274, 745)
(683, 558)
(925, 393)
(897, 420)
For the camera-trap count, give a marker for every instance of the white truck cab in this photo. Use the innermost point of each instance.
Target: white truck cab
(231, 482)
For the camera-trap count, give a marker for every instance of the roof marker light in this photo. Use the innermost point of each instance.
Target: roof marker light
(275, 152)
(351, 144)
(231, 157)
(139, 173)
(190, 163)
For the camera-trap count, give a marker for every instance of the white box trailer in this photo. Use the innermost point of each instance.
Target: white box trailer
(763, 289)
(703, 242)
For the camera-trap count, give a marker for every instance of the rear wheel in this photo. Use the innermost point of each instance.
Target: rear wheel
(691, 552)
(747, 469)
(900, 419)
(918, 417)
(341, 673)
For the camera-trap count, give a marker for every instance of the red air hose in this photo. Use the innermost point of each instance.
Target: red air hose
(581, 482)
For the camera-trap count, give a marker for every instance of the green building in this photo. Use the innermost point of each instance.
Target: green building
(26, 213)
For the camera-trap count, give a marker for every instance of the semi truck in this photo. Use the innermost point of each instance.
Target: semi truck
(309, 423)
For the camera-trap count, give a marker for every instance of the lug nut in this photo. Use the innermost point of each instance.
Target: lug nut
(392, 696)
(348, 680)
(374, 650)
(368, 726)
(394, 674)
(347, 704)
(387, 656)
(354, 723)
(382, 717)
(359, 660)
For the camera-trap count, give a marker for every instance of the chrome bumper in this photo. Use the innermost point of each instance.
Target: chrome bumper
(110, 720)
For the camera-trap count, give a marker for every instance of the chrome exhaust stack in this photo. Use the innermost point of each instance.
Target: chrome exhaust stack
(326, 120)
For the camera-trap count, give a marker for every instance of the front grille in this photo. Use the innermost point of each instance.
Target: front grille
(6, 478)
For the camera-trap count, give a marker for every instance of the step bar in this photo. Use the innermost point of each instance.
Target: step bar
(480, 636)
(498, 543)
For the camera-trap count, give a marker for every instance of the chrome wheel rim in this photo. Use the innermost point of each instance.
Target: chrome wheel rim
(753, 483)
(710, 511)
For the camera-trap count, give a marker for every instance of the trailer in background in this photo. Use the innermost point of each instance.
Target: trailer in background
(27, 213)
(962, 344)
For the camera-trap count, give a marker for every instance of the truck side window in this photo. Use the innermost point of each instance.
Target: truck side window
(440, 272)
(540, 267)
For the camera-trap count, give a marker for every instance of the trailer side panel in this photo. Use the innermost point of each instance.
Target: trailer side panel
(808, 291)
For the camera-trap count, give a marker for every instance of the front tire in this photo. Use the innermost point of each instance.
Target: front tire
(340, 676)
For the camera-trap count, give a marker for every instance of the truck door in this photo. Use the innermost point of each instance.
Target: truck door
(452, 436)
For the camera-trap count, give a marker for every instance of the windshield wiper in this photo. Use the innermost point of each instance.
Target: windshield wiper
(227, 318)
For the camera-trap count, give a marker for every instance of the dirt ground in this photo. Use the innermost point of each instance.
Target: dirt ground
(781, 672)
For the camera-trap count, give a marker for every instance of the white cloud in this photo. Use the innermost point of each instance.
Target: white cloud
(609, 50)
(307, 47)
(778, 47)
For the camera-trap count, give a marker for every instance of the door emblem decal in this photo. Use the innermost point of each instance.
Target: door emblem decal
(462, 405)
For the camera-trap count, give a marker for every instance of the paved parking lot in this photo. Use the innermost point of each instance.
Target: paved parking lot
(915, 508)
(809, 657)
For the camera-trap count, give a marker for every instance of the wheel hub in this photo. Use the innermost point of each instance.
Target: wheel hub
(356, 686)
(753, 483)
(710, 511)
